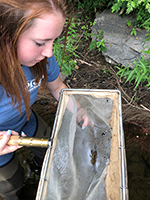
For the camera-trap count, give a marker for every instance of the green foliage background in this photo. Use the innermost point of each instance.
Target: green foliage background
(66, 47)
(139, 8)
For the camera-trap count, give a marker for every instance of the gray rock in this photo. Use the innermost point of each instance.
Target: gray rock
(122, 47)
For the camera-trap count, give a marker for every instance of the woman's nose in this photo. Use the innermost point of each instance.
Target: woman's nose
(47, 51)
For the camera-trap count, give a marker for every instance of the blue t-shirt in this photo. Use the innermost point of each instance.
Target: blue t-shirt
(10, 116)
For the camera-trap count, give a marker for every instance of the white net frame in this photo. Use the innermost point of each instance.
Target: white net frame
(86, 164)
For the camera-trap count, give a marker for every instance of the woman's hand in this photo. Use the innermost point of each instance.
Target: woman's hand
(4, 148)
(82, 116)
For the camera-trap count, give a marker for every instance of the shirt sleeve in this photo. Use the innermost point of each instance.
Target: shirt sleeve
(53, 69)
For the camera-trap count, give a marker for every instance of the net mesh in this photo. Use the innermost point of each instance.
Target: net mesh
(80, 158)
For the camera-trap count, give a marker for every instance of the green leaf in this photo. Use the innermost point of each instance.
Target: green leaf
(142, 66)
(138, 82)
(130, 76)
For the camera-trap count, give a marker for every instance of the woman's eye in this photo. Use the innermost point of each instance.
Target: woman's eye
(39, 44)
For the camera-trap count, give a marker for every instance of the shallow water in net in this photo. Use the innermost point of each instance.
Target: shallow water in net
(81, 157)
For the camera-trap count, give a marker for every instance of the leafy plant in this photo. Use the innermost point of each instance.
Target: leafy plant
(141, 15)
(133, 32)
(129, 22)
(64, 49)
(140, 9)
(146, 24)
(87, 30)
(106, 71)
(136, 98)
(130, 5)
(140, 72)
(99, 43)
(90, 7)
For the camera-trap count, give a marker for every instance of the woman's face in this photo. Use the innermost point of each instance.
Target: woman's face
(37, 42)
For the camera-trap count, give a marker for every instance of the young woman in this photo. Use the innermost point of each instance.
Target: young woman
(28, 29)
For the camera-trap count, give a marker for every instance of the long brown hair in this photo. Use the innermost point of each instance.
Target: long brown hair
(16, 16)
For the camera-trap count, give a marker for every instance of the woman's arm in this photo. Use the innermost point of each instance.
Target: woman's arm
(55, 87)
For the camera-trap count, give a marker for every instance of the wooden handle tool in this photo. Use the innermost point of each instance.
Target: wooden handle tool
(28, 141)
